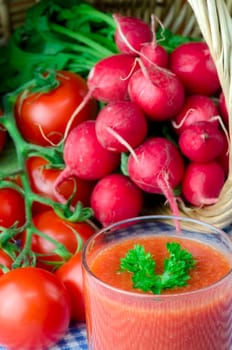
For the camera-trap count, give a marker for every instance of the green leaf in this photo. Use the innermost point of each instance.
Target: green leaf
(142, 266)
(82, 36)
(123, 164)
(170, 40)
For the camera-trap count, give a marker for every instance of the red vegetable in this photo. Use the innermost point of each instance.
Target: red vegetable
(115, 198)
(153, 54)
(42, 117)
(158, 92)
(123, 119)
(34, 309)
(85, 157)
(131, 33)
(70, 274)
(223, 109)
(202, 183)
(201, 142)
(157, 167)
(42, 178)
(196, 108)
(194, 66)
(62, 231)
(223, 158)
(12, 208)
(108, 79)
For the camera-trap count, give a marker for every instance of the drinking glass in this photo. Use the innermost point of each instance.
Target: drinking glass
(120, 320)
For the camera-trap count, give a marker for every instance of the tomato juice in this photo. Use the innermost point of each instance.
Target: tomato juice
(195, 317)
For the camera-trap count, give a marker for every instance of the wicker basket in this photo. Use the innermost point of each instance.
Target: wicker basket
(211, 18)
(175, 15)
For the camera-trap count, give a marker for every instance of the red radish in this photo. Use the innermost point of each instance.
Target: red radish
(202, 183)
(126, 120)
(109, 77)
(152, 53)
(201, 142)
(193, 64)
(107, 82)
(131, 33)
(115, 198)
(223, 109)
(85, 157)
(223, 158)
(157, 168)
(196, 108)
(158, 92)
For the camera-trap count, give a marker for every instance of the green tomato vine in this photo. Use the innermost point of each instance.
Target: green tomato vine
(8, 237)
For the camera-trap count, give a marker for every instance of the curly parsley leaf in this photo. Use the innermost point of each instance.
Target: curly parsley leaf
(142, 266)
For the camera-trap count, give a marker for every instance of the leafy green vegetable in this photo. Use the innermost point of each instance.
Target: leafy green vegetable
(142, 266)
(68, 35)
(170, 41)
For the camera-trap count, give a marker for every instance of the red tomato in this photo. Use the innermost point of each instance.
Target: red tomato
(42, 180)
(34, 309)
(12, 208)
(59, 229)
(42, 117)
(5, 260)
(71, 275)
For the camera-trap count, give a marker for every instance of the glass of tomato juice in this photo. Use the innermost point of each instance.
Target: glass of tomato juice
(197, 316)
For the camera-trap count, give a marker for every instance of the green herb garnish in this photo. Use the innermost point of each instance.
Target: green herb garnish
(142, 266)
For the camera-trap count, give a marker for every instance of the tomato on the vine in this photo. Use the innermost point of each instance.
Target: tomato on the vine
(12, 208)
(42, 117)
(5, 261)
(42, 177)
(34, 309)
(61, 230)
(70, 274)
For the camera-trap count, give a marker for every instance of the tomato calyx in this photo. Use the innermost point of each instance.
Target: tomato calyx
(45, 82)
(60, 250)
(8, 245)
(26, 257)
(78, 213)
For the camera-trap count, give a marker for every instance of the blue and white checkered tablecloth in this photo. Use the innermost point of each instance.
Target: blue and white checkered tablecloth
(75, 339)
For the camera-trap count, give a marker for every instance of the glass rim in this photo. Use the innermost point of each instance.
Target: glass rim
(148, 295)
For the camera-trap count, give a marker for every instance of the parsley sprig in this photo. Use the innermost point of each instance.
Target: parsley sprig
(142, 266)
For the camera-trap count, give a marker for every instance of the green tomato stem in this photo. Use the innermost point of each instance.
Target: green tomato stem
(23, 150)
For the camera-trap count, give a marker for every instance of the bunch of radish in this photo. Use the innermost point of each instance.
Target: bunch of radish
(140, 89)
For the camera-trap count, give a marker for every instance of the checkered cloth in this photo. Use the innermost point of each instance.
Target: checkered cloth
(75, 338)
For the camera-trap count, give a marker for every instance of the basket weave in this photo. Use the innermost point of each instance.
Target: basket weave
(209, 18)
(176, 15)
(12, 15)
